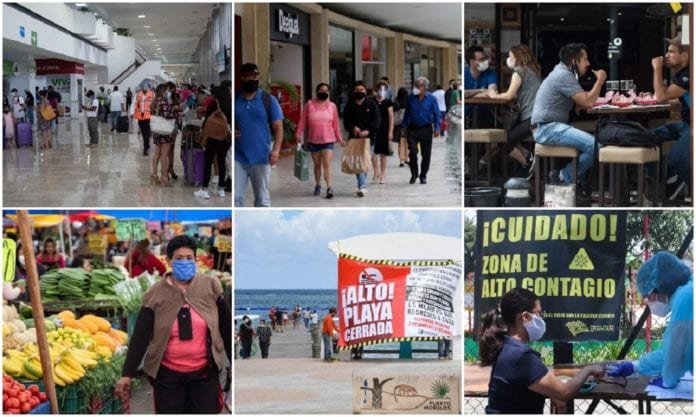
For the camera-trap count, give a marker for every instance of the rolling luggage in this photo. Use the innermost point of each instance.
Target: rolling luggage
(123, 124)
(193, 155)
(23, 134)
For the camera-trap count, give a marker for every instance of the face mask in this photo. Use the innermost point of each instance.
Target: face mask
(359, 95)
(250, 86)
(416, 91)
(510, 63)
(382, 92)
(21, 259)
(184, 269)
(535, 328)
(169, 94)
(322, 96)
(483, 66)
(658, 308)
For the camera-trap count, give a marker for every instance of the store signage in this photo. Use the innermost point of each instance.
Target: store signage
(97, 243)
(288, 23)
(7, 67)
(22, 32)
(34, 38)
(58, 66)
(614, 48)
(223, 243)
(131, 229)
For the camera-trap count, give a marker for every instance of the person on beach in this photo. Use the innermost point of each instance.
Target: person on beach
(246, 336)
(328, 328)
(271, 317)
(264, 333)
(305, 317)
(279, 320)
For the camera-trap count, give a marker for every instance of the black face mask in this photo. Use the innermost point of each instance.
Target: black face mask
(250, 86)
(322, 96)
(359, 95)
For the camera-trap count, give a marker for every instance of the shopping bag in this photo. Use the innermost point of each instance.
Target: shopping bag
(403, 149)
(162, 126)
(356, 158)
(301, 164)
(47, 112)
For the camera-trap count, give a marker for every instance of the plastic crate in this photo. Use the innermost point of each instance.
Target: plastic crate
(43, 408)
(69, 401)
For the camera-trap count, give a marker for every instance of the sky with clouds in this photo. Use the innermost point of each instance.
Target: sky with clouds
(289, 249)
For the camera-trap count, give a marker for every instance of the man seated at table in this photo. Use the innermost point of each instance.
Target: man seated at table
(679, 158)
(554, 101)
(478, 75)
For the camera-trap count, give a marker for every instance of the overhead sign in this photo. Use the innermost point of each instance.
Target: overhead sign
(223, 243)
(572, 260)
(34, 38)
(22, 32)
(9, 256)
(289, 24)
(382, 301)
(58, 66)
(131, 229)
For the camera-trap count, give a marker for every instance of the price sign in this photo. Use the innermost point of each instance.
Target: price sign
(97, 243)
(9, 255)
(127, 229)
(223, 243)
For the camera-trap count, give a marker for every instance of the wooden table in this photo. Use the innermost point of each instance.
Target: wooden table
(484, 100)
(476, 381)
(628, 110)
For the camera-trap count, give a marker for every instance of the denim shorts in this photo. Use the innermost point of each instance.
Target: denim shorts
(318, 147)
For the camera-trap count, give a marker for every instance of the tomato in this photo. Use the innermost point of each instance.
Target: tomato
(12, 403)
(12, 411)
(25, 408)
(13, 393)
(5, 397)
(42, 397)
(34, 389)
(21, 387)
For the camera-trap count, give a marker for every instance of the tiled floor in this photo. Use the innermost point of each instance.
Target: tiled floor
(442, 190)
(114, 174)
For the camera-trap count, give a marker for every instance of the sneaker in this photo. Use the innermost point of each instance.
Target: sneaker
(361, 192)
(329, 193)
(221, 192)
(202, 193)
(317, 189)
(555, 176)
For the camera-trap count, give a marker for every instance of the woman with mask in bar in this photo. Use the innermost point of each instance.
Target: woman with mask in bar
(183, 332)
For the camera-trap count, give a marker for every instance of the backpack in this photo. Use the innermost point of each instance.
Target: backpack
(625, 134)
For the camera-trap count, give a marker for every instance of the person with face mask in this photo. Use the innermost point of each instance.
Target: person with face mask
(420, 123)
(520, 382)
(525, 81)
(258, 136)
(320, 120)
(142, 113)
(667, 286)
(184, 334)
(478, 75)
(557, 95)
(91, 109)
(163, 107)
(385, 134)
(18, 105)
(361, 120)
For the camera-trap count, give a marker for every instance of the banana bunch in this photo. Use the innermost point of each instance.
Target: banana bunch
(32, 368)
(13, 362)
(72, 364)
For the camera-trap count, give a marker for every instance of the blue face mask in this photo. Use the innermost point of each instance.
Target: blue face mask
(184, 269)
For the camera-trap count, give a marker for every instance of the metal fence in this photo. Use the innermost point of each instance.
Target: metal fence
(477, 405)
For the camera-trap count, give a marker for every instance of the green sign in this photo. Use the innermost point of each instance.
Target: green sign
(7, 67)
(34, 38)
(130, 229)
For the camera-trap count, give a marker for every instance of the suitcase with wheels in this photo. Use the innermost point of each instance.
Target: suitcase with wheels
(123, 124)
(194, 166)
(23, 134)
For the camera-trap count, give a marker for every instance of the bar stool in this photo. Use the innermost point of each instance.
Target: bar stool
(487, 137)
(551, 151)
(619, 155)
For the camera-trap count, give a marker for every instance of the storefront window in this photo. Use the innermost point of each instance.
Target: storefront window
(341, 65)
(373, 52)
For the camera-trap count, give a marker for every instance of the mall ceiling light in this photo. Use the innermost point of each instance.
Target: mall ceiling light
(147, 26)
(141, 16)
(80, 4)
(151, 34)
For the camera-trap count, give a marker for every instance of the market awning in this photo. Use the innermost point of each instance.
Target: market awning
(41, 220)
(86, 215)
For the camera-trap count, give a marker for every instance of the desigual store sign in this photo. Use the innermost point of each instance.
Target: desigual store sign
(289, 24)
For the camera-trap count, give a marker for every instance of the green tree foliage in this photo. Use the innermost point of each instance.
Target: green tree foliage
(667, 230)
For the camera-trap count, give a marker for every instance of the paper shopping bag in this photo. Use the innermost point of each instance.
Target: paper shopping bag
(356, 158)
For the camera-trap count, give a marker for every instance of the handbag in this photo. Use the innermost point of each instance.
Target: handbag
(403, 149)
(161, 125)
(215, 126)
(301, 164)
(47, 112)
(356, 158)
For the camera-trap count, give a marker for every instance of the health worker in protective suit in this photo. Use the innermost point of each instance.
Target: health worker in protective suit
(667, 285)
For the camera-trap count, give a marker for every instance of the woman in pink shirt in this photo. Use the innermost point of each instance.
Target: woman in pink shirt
(320, 118)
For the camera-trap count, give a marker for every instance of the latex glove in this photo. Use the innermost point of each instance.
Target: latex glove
(658, 382)
(623, 369)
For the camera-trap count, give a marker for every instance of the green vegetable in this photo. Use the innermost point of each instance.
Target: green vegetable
(25, 310)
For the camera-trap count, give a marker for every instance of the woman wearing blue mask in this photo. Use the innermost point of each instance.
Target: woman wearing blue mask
(667, 285)
(183, 332)
(520, 382)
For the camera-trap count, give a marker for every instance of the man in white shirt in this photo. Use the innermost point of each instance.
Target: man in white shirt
(18, 106)
(91, 111)
(116, 107)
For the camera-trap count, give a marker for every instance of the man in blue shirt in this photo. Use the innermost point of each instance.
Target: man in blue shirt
(255, 149)
(478, 75)
(421, 119)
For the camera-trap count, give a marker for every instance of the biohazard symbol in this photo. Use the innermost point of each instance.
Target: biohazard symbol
(582, 261)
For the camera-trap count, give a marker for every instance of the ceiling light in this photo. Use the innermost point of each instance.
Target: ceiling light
(80, 4)
(151, 34)
(159, 49)
(147, 26)
(141, 16)
(562, 19)
(154, 40)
